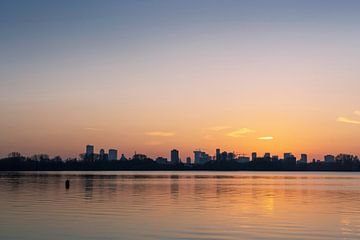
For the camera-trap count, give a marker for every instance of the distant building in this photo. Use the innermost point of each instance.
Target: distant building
(329, 158)
(161, 160)
(102, 152)
(289, 161)
(287, 155)
(89, 153)
(218, 154)
(175, 156)
(303, 158)
(138, 156)
(253, 156)
(102, 155)
(89, 150)
(267, 155)
(201, 157)
(231, 156)
(243, 159)
(112, 154)
(224, 156)
(123, 158)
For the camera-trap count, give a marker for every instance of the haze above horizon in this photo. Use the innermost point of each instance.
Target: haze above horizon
(150, 76)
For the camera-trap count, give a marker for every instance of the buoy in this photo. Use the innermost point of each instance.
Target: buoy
(67, 184)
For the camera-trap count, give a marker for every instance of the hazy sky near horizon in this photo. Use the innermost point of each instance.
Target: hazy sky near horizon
(149, 76)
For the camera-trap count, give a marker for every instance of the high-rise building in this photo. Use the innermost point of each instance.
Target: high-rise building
(201, 157)
(287, 155)
(253, 156)
(303, 158)
(289, 161)
(89, 150)
(174, 156)
(112, 154)
(197, 156)
(218, 154)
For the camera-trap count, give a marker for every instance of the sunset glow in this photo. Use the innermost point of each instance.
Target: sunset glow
(268, 76)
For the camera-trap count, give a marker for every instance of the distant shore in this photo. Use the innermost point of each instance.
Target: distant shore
(27, 164)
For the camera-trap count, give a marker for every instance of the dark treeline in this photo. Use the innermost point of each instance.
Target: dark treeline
(42, 162)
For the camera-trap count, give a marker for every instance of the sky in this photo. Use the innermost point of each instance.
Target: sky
(150, 76)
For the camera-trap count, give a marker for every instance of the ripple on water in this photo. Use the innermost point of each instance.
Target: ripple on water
(184, 205)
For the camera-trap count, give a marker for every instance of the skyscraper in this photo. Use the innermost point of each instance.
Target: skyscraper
(112, 154)
(174, 156)
(218, 154)
(89, 150)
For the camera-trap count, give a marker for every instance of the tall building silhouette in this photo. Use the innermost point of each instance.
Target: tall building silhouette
(89, 150)
(174, 156)
(102, 154)
(201, 157)
(303, 158)
(253, 156)
(112, 154)
(289, 161)
(218, 154)
(287, 155)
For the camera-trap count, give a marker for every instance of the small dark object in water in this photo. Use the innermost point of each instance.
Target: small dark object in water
(67, 184)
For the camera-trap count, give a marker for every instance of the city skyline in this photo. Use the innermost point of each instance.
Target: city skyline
(173, 157)
(198, 156)
(265, 76)
(103, 160)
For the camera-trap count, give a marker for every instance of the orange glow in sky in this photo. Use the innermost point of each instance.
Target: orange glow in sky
(238, 77)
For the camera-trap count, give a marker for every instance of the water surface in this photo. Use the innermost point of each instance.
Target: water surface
(179, 205)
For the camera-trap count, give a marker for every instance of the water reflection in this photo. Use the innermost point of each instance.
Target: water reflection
(88, 186)
(174, 205)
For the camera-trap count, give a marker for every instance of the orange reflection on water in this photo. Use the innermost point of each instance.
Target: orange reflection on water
(190, 205)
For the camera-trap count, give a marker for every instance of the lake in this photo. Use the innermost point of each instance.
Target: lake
(179, 205)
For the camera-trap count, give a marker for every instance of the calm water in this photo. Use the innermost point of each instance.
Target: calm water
(179, 205)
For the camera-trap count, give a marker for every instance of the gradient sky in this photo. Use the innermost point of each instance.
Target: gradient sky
(149, 76)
